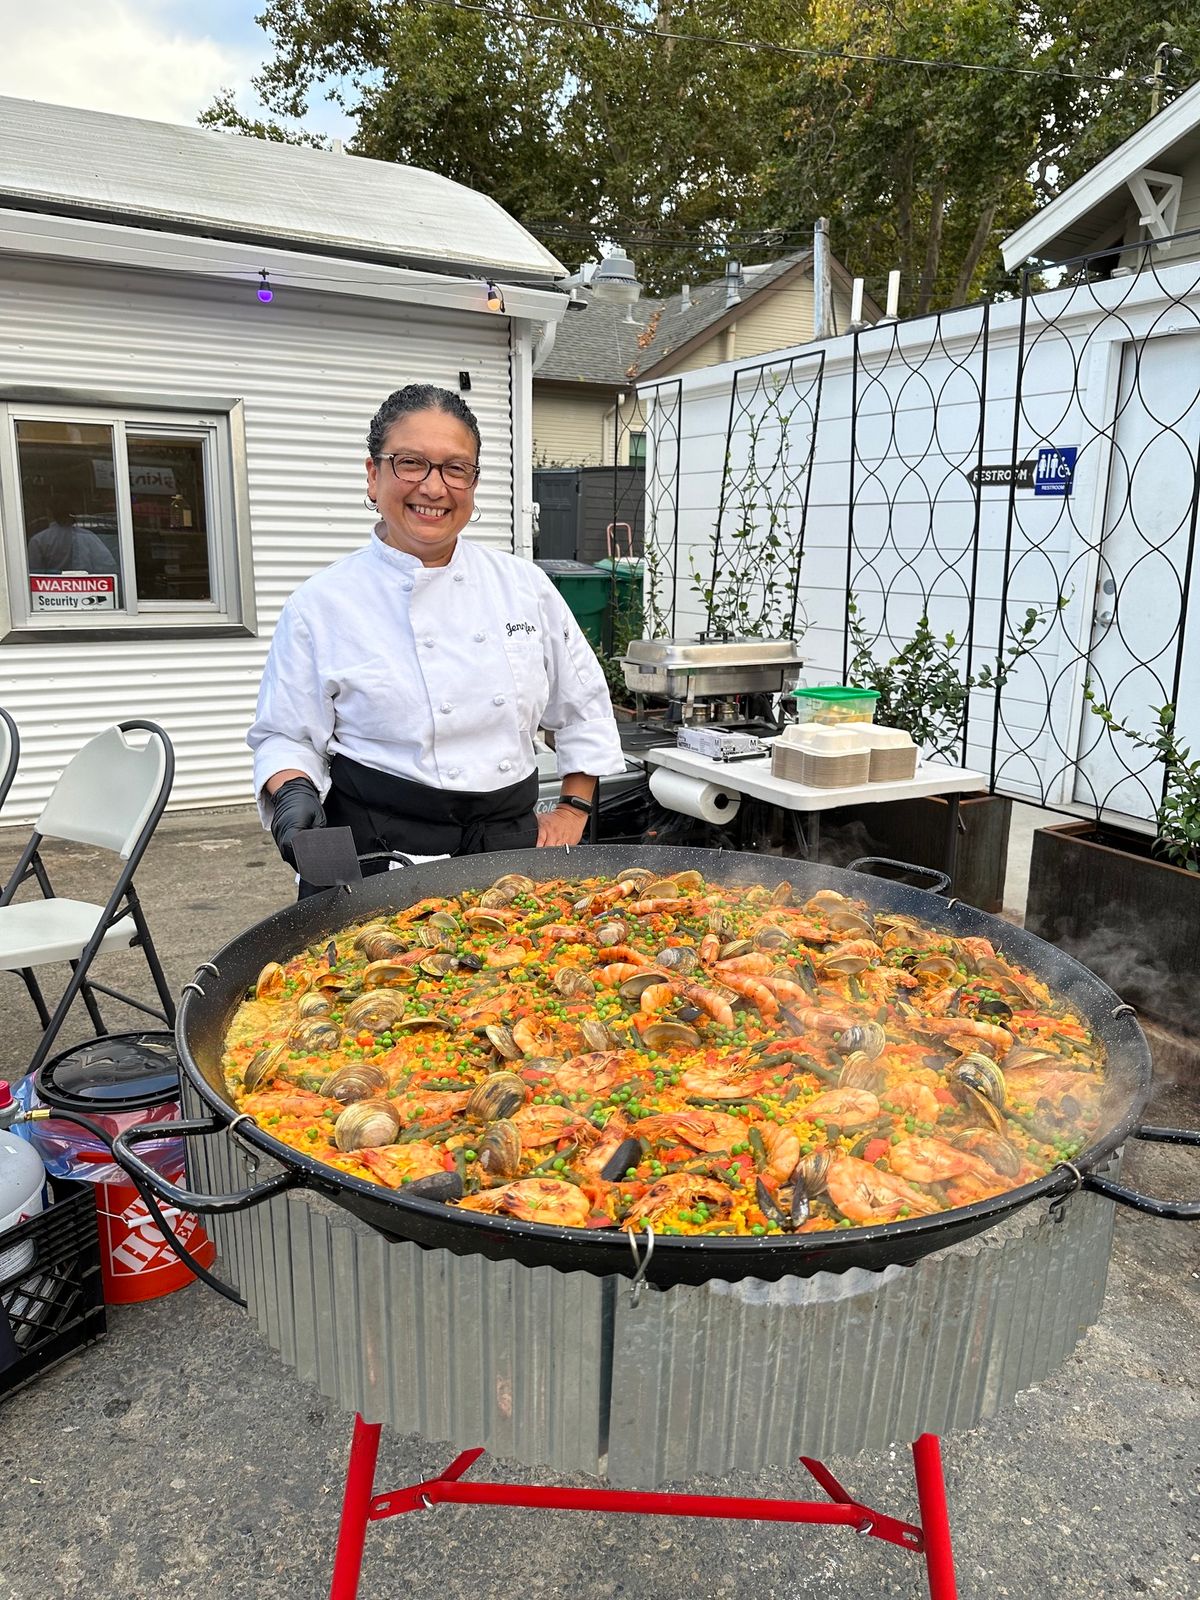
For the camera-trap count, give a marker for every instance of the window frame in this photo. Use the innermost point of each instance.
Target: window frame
(643, 438)
(219, 422)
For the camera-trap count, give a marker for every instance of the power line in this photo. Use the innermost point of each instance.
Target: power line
(769, 47)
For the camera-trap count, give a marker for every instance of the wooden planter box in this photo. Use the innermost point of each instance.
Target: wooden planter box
(915, 830)
(1133, 919)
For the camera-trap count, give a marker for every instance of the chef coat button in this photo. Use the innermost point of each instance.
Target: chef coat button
(458, 577)
(505, 766)
(407, 586)
(446, 706)
(428, 643)
(480, 637)
(454, 772)
(497, 699)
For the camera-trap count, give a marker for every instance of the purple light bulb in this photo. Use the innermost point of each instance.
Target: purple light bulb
(265, 293)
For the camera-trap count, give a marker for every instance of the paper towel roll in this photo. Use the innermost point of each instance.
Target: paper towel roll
(693, 797)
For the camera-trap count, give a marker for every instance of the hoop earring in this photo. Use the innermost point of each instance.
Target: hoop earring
(478, 514)
(370, 504)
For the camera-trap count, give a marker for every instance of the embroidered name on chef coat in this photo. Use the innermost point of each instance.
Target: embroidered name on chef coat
(519, 627)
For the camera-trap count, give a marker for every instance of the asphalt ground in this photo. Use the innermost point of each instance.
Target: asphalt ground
(180, 1457)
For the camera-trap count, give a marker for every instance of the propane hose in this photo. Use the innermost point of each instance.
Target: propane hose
(46, 1114)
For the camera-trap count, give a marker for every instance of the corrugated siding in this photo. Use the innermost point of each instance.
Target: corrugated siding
(310, 371)
(568, 429)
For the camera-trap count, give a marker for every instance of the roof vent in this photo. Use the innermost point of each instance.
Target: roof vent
(734, 283)
(685, 297)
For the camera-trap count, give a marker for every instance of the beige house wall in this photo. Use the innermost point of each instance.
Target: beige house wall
(774, 323)
(570, 430)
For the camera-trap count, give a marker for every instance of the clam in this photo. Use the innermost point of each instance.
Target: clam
(389, 974)
(639, 875)
(735, 947)
(435, 938)
(446, 921)
(495, 900)
(358, 1080)
(497, 1097)
(978, 1109)
(825, 901)
(687, 882)
(597, 1036)
(935, 965)
(270, 981)
(662, 889)
(843, 966)
(481, 921)
(443, 1186)
(847, 919)
(382, 945)
(501, 1040)
(632, 989)
(315, 1033)
(627, 1154)
(868, 1039)
(859, 1071)
(781, 894)
(756, 895)
(500, 1150)
(719, 923)
(1032, 1055)
(262, 1067)
(378, 1011)
(332, 983)
(573, 983)
(614, 931)
(366, 1123)
(678, 958)
(667, 1035)
(505, 956)
(313, 1005)
(990, 1146)
(437, 965)
(770, 938)
(415, 1022)
(515, 883)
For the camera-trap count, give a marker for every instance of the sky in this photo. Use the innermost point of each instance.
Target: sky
(161, 59)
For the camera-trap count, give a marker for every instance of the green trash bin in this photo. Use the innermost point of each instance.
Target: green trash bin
(625, 576)
(586, 590)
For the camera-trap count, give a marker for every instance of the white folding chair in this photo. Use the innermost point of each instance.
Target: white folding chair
(111, 796)
(10, 754)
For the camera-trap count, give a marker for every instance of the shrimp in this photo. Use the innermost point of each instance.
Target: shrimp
(755, 990)
(626, 952)
(570, 931)
(933, 1161)
(528, 1041)
(398, 1164)
(293, 1103)
(978, 947)
(656, 997)
(602, 1144)
(966, 1027)
(800, 926)
(782, 1144)
(849, 1108)
(710, 949)
(534, 1200)
(914, 1100)
(703, 1130)
(973, 1187)
(541, 1125)
(652, 908)
(707, 999)
(820, 1020)
(616, 972)
(432, 1105)
(680, 1190)
(725, 1081)
(758, 964)
(592, 1073)
(785, 989)
(606, 897)
(863, 1193)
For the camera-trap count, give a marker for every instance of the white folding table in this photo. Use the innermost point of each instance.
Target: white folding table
(753, 777)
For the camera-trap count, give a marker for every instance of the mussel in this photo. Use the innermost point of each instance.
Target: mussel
(358, 1080)
(497, 1097)
(664, 1034)
(990, 1146)
(270, 981)
(262, 1067)
(377, 1012)
(627, 1154)
(500, 1150)
(314, 1033)
(366, 1123)
(789, 1209)
(443, 1186)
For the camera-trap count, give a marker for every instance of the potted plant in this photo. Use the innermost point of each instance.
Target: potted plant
(1127, 904)
(921, 689)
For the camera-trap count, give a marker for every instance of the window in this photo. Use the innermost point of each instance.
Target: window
(120, 519)
(637, 449)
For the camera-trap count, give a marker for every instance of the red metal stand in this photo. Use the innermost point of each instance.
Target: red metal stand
(360, 1506)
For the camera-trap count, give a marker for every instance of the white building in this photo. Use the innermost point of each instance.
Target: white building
(208, 440)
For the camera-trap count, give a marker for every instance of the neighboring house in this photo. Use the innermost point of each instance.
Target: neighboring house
(584, 411)
(1146, 190)
(197, 329)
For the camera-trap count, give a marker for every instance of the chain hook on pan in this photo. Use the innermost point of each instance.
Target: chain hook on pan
(1056, 1206)
(642, 1263)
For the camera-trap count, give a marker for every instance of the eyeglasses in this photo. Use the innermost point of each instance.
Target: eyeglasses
(415, 469)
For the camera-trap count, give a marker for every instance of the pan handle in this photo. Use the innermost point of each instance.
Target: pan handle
(186, 1199)
(940, 879)
(1174, 1210)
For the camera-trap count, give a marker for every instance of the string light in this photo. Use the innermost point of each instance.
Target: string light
(265, 293)
(495, 300)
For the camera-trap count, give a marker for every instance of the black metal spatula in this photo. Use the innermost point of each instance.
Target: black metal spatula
(326, 857)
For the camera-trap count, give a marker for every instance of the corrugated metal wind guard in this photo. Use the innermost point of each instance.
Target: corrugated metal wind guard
(558, 1369)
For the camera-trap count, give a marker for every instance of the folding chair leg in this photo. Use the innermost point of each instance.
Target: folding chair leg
(151, 954)
(35, 994)
(88, 996)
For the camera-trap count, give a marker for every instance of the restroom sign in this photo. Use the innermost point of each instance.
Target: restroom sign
(1055, 470)
(82, 592)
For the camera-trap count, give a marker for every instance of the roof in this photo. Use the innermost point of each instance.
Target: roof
(1083, 216)
(600, 345)
(157, 175)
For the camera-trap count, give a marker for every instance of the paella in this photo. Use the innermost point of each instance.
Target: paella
(667, 1053)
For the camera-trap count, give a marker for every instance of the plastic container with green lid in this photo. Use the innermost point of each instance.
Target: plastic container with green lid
(834, 703)
(587, 592)
(626, 575)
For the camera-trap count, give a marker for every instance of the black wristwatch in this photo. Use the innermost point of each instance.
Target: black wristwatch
(576, 802)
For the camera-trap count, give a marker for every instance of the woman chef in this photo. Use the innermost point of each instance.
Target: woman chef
(406, 682)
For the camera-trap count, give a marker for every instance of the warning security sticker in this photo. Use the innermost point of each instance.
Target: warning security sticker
(79, 593)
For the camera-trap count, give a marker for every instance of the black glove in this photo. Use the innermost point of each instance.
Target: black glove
(297, 806)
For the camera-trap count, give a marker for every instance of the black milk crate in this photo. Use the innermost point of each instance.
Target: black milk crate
(53, 1304)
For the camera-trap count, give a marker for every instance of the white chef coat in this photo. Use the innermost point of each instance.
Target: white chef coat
(441, 675)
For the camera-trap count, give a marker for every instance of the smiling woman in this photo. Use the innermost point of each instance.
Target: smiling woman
(406, 682)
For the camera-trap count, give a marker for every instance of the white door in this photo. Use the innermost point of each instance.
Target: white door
(1139, 609)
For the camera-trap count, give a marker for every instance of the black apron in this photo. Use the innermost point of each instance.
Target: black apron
(389, 813)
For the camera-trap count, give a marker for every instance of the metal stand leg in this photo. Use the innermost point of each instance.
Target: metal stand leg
(951, 844)
(813, 829)
(356, 1509)
(935, 1520)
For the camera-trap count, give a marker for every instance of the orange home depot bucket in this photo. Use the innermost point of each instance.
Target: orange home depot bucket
(136, 1262)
